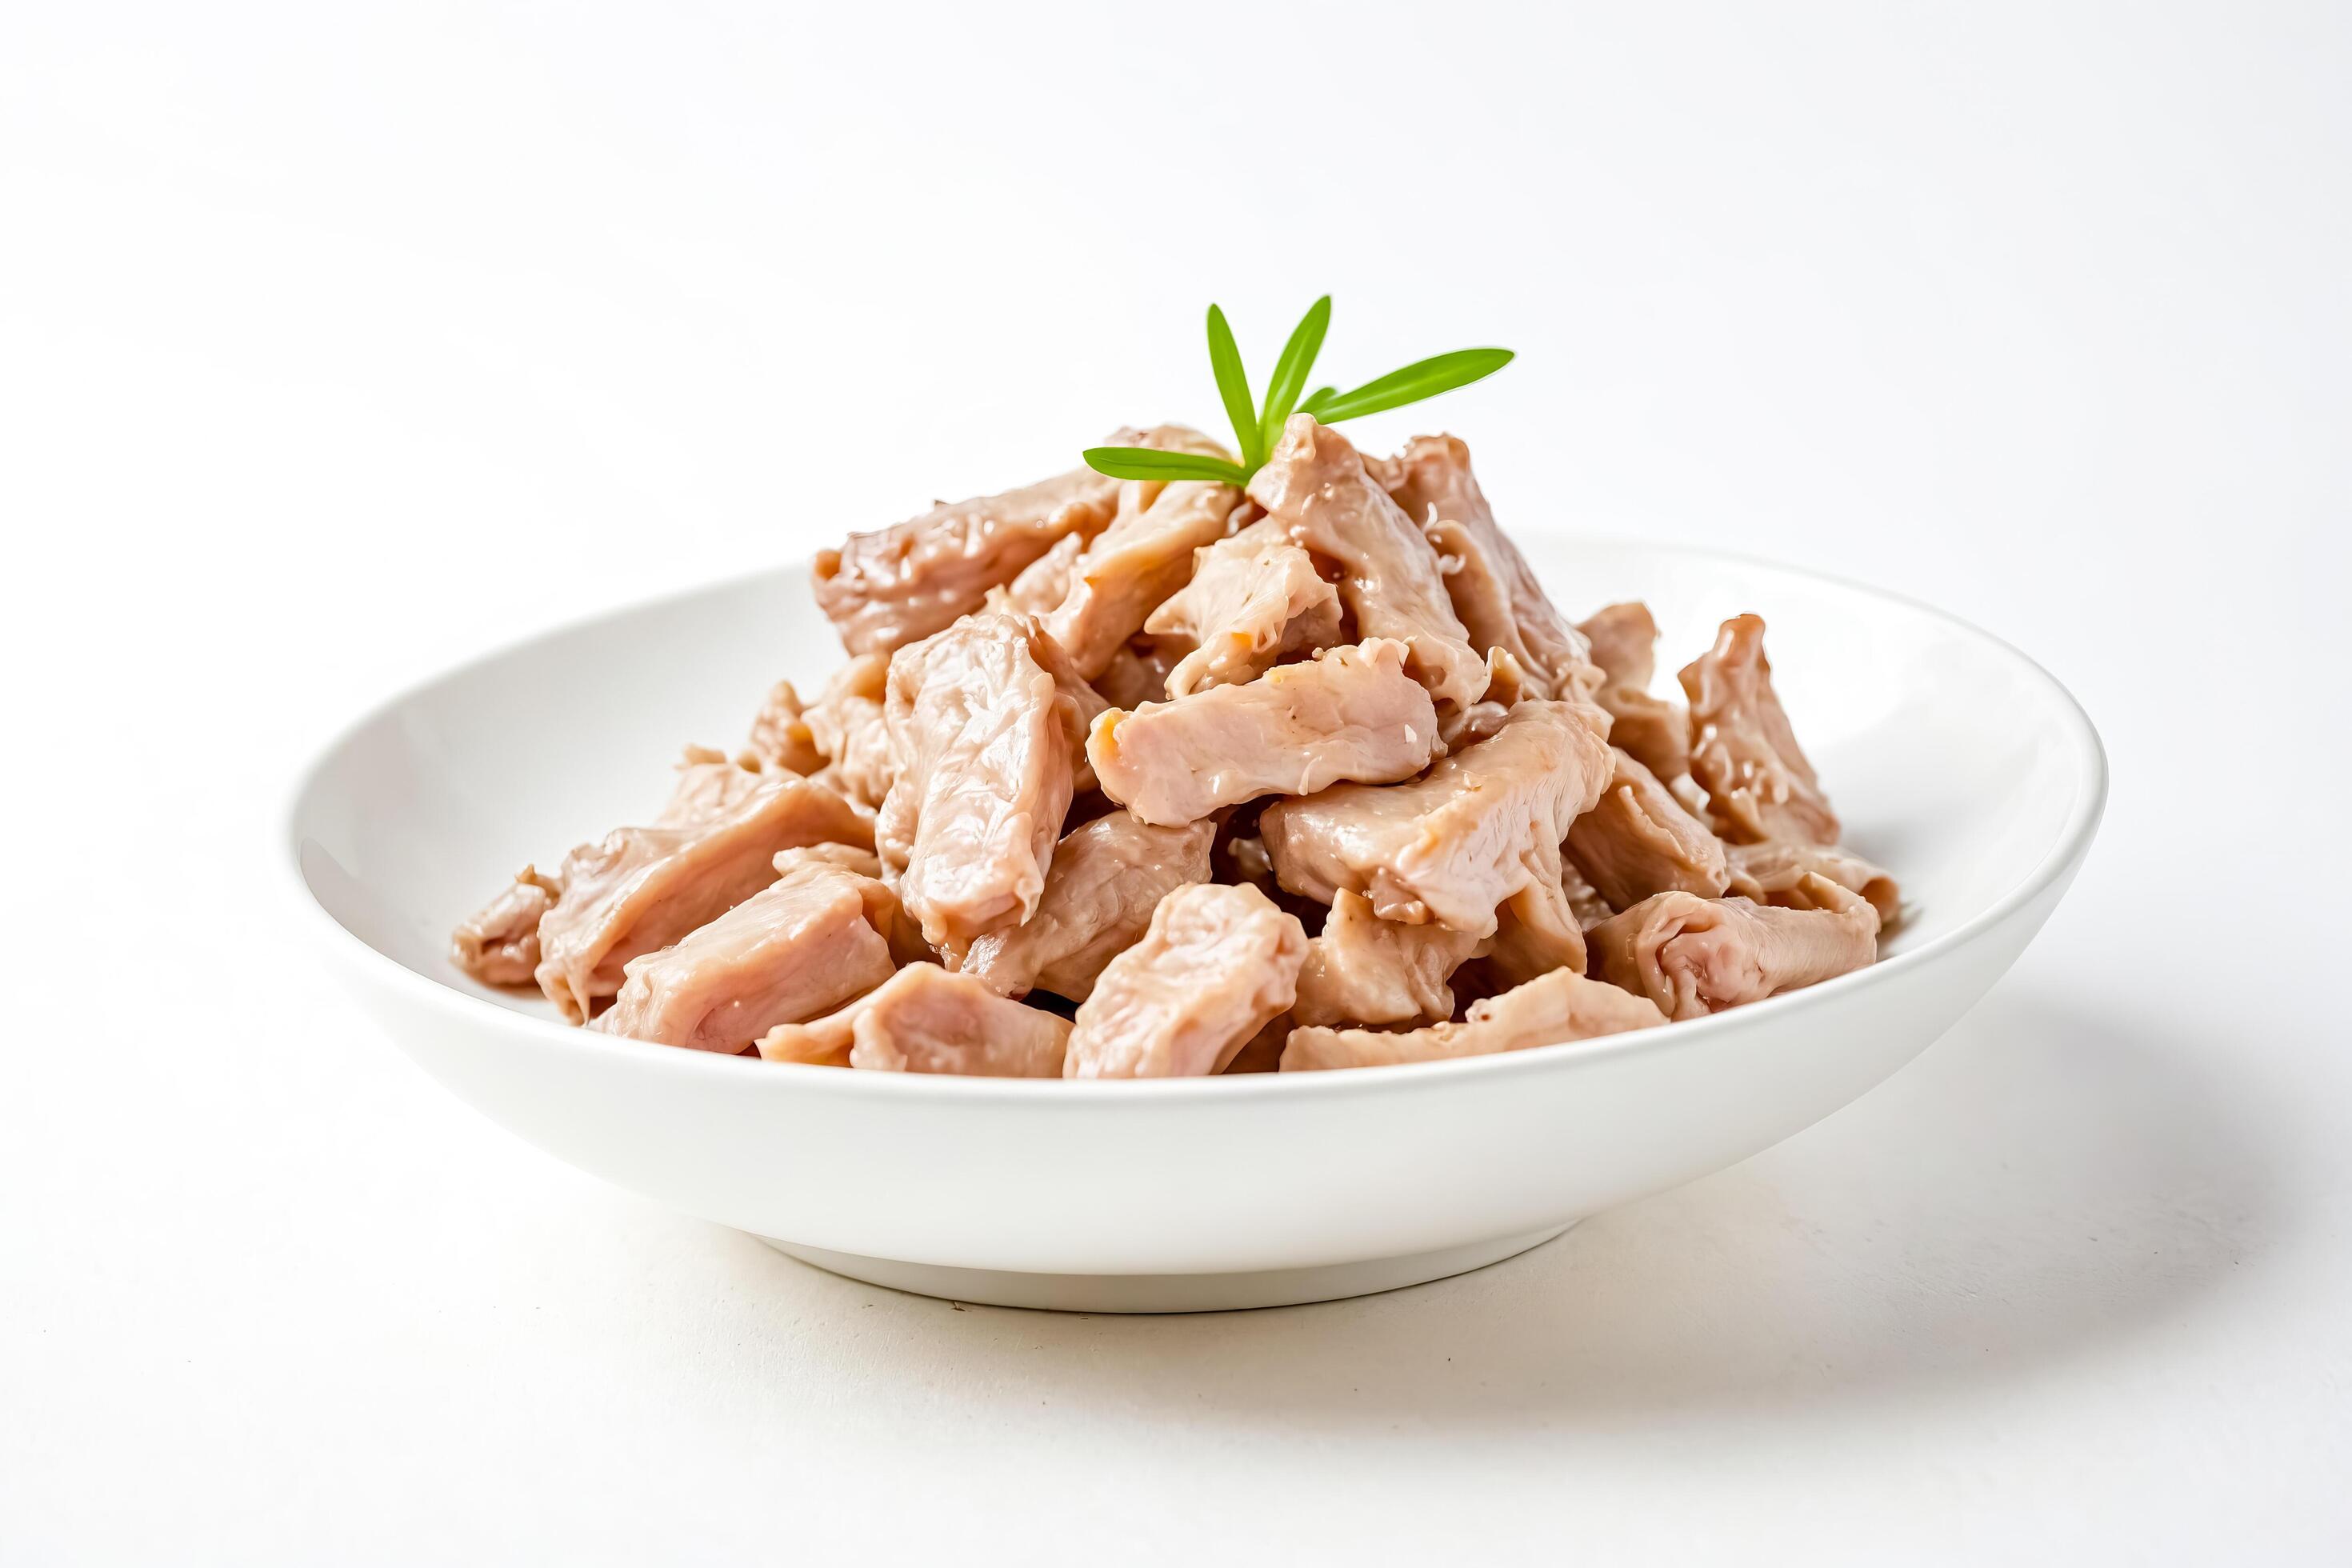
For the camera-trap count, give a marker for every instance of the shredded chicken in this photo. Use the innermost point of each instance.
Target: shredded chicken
(1315, 485)
(849, 729)
(1106, 878)
(780, 736)
(1637, 840)
(639, 889)
(1361, 969)
(1656, 732)
(1743, 752)
(1353, 714)
(1454, 843)
(1692, 956)
(1769, 873)
(1131, 568)
(1136, 675)
(1253, 598)
(499, 945)
(1549, 1010)
(924, 1019)
(1215, 966)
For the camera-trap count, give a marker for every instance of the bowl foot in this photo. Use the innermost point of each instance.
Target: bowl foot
(1167, 1292)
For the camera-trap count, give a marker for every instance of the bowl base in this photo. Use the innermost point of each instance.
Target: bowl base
(1167, 1292)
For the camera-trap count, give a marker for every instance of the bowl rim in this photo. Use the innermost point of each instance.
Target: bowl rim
(2071, 844)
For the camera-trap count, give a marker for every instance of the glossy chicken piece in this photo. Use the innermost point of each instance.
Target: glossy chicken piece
(1106, 878)
(1769, 873)
(1758, 785)
(1537, 928)
(1637, 840)
(1494, 591)
(1353, 714)
(847, 725)
(1361, 969)
(801, 946)
(500, 946)
(639, 889)
(1136, 675)
(1454, 844)
(1216, 965)
(1132, 566)
(710, 785)
(885, 589)
(1693, 956)
(1656, 732)
(1043, 583)
(1315, 485)
(1253, 598)
(1559, 1006)
(781, 738)
(981, 736)
(924, 1019)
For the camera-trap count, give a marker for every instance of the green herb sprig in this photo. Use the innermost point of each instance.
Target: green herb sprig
(1258, 426)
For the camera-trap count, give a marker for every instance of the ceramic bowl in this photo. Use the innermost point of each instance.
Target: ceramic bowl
(1955, 761)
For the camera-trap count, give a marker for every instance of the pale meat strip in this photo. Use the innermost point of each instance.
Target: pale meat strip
(801, 946)
(848, 724)
(1361, 969)
(1352, 714)
(1743, 752)
(1693, 956)
(1494, 591)
(1457, 842)
(710, 785)
(1043, 583)
(1253, 598)
(780, 736)
(1132, 566)
(1769, 873)
(1537, 928)
(1553, 1008)
(1654, 731)
(1315, 487)
(1216, 965)
(1107, 877)
(638, 889)
(924, 1019)
(1637, 840)
(500, 946)
(885, 589)
(982, 738)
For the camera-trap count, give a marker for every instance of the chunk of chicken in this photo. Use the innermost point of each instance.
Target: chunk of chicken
(1769, 873)
(1106, 878)
(1043, 583)
(1253, 598)
(639, 889)
(981, 736)
(924, 1019)
(1654, 731)
(848, 724)
(780, 736)
(710, 785)
(1216, 965)
(1134, 566)
(885, 589)
(1362, 969)
(1537, 930)
(1136, 675)
(1454, 844)
(806, 943)
(1637, 840)
(1553, 1008)
(1494, 591)
(1353, 714)
(1743, 752)
(1315, 487)
(1692, 956)
(500, 946)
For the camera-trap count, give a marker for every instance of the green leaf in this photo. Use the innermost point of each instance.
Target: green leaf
(1149, 463)
(1233, 385)
(1317, 399)
(1291, 372)
(1425, 378)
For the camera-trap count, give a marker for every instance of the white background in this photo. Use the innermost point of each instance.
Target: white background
(339, 342)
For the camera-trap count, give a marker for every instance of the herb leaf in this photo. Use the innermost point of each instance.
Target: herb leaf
(1317, 399)
(1423, 378)
(1149, 463)
(1291, 372)
(1233, 385)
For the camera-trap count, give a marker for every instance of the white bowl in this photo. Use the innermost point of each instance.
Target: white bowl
(1955, 761)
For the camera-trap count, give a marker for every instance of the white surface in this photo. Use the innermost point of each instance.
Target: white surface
(1958, 760)
(334, 345)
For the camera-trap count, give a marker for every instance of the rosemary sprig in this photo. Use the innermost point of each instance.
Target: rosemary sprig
(1257, 428)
